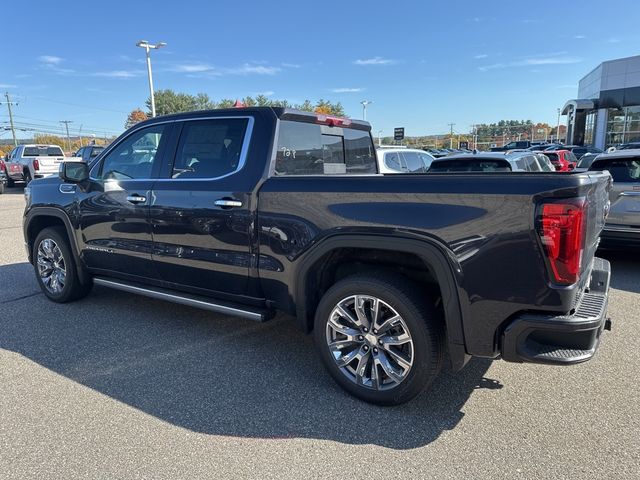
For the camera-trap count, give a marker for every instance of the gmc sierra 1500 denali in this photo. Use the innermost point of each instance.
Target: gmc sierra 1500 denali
(250, 211)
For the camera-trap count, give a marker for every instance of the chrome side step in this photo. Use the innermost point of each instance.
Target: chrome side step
(184, 299)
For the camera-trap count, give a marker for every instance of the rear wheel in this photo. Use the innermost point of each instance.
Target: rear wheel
(10, 182)
(379, 338)
(1, 187)
(27, 177)
(55, 267)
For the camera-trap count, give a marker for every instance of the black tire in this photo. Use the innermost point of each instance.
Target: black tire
(27, 177)
(73, 288)
(1, 187)
(417, 311)
(10, 182)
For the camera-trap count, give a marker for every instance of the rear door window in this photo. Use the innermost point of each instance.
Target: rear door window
(472, 165)
(414, 163)
(392, 160)
(312, 149)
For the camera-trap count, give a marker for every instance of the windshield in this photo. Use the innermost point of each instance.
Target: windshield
(42, 151)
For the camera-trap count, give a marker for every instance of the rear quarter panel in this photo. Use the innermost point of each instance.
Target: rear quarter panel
(483, 224)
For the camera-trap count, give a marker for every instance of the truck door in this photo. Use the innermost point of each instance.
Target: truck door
(201, 210)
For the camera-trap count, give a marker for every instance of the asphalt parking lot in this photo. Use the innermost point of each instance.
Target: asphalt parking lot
(120, 386)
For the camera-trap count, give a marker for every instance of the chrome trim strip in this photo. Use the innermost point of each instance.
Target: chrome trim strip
(191, 302)
(613, 228)
(243, 152)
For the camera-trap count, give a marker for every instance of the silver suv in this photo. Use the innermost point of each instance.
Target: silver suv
(623, 223)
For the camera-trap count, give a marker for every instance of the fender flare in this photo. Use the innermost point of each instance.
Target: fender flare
(434, 255)
(60, 214)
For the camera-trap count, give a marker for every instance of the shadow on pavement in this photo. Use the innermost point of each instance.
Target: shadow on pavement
(217, 375)
(625, 265)
(17, 190)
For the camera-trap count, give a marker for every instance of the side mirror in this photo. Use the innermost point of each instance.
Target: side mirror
(74, 172)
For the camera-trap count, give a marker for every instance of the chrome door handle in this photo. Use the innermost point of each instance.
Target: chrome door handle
(630, 194)
(136, 199)
(228, 203)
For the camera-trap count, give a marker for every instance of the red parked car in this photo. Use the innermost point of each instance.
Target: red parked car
(563, 160)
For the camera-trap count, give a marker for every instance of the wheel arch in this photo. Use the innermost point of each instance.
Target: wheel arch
(433, 256)
(40, 218)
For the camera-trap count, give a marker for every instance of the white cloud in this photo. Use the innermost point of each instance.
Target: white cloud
(346, 90)
(249, 69)
(613, 40)
(551, 59)
(481, 55)
(375, 61)
(211, 70)
(119, 74)
(193, 68)
(579, 37)
(7, 85)
(49, 59)
(291, 65)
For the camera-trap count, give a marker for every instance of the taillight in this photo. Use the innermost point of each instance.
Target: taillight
(562, 228)
(36, 164)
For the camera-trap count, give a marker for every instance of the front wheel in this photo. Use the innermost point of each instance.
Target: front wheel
(55, 267)
(379, 338)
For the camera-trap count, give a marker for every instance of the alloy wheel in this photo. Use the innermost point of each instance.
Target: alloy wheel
(370, 342)
(52, 268)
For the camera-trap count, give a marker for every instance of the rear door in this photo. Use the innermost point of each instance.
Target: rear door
(114, 207)
(201, 211)
(14, 168)
(625, 192)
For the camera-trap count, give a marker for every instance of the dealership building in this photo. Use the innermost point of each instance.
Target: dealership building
(607, 110)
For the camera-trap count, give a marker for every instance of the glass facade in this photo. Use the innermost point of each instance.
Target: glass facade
(623, 125)
(590, 128)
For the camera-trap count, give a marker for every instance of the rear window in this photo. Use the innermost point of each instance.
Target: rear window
(471, 165)
(42, 152)
(621, 169)
(311, 149)
(552, 156)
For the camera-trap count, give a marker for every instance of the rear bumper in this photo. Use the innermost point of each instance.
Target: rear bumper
(562, 339)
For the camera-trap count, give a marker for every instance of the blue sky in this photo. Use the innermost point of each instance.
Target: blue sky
(423, 64)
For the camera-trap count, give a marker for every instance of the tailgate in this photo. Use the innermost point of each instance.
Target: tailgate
(598, 209)
(49, 164)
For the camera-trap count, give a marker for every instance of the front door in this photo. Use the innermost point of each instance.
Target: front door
(201, 212)
(114, 209)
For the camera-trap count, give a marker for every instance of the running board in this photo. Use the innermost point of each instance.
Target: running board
(185, 299)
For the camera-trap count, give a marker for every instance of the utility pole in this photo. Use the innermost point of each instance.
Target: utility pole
(66, 124)
(558, 128)
(451, 134)
(13, 130)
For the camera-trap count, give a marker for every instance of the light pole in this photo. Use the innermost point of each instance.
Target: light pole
(379, 138)
(364, 108)
(558, 128)
(148, 47)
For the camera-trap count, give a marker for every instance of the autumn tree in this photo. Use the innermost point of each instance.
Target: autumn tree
(135, 116)
(167, 102)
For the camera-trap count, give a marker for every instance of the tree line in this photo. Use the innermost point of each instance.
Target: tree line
(168, 101)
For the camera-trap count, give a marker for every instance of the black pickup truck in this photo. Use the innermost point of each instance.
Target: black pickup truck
(251, 211)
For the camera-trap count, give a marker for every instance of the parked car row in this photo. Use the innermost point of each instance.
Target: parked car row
(27, 162)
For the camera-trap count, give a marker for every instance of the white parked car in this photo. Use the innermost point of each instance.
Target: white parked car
(403, 160)
(26, 162)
